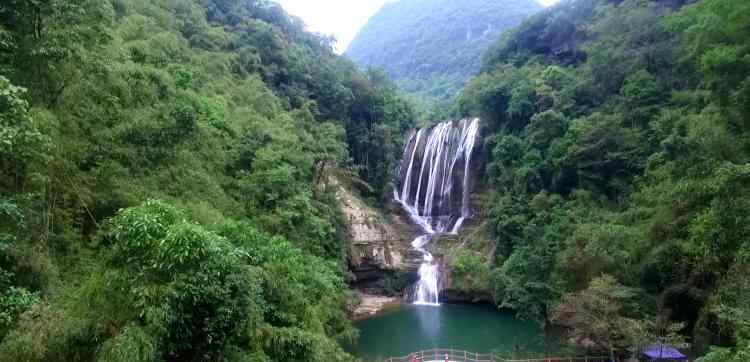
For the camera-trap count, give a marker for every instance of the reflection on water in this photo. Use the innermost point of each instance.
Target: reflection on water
(429, 322)
(467, 327)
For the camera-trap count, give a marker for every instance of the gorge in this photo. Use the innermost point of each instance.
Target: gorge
(208, 180)
(433, 188)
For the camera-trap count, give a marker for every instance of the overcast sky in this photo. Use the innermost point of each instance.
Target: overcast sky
(340, 18)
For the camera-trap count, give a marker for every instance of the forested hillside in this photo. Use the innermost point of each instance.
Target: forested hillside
(431, 47)
(617, 139)
(163, 189)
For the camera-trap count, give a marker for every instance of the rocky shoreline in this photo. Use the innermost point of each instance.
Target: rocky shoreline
(371, 305)
(382, 262)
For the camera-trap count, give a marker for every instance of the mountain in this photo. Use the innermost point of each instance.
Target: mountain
(164, 181)
(431, 47)
(618, 175)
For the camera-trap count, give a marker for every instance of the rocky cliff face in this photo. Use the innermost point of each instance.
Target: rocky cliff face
(465, 258)
(380, 243)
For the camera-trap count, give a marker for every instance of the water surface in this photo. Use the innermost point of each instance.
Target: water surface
(475, 328)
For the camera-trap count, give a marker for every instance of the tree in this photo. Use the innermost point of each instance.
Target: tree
(224, 109)
(729, 309)
(20, 141)
(628, 37)
(522, 283)
(379, 118)
(50, 44)
(717, 44)
(192, 289)
(544, 128)
(14, 300)
(21, 144)
(740, 353)
(606, 154)
(642, 94)
(595, 317)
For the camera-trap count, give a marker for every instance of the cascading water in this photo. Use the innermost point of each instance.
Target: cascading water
(434, 189)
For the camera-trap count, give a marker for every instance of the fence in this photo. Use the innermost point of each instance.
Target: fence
(453, 355)
(439, 355)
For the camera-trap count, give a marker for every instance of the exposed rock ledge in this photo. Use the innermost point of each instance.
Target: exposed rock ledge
(380, 245)
(370, 305)
(459, 296)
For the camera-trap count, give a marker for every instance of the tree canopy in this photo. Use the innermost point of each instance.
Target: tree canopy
(164, 192)
(431, 47)
(616, 136)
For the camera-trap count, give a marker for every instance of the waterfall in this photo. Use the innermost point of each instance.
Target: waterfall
(434, 189)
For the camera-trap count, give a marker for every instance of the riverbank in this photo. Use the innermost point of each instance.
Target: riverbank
(372, 305)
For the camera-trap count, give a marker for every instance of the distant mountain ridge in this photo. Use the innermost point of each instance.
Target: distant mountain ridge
(431, 47)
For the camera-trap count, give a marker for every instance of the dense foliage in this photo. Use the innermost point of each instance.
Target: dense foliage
(165, 192)
(229, 113)
(431, 47)
(617, 140)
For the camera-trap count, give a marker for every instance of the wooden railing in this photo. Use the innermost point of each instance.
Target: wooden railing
(454, 355)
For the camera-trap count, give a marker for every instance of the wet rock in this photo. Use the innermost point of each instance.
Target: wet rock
(380, 245)
(456, 296)
(370, 305)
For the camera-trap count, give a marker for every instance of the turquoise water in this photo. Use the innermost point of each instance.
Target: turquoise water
(473, 328)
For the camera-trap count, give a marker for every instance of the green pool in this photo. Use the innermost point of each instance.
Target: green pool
(474, 328)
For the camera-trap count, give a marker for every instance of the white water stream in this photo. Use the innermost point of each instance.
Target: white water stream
(437, 201)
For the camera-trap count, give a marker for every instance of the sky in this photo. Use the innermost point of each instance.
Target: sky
(340, 18)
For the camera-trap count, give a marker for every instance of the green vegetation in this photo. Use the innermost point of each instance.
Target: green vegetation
(164, 192)
(432, 47)
(616, 134)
